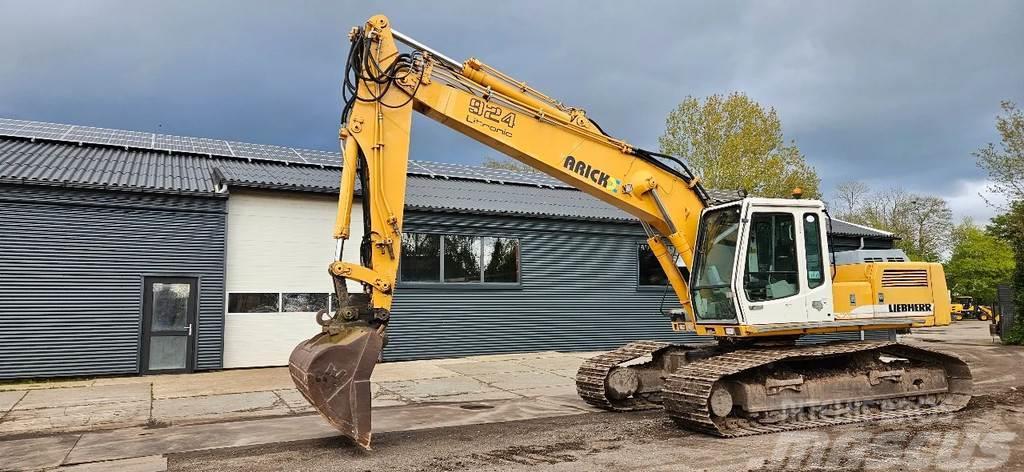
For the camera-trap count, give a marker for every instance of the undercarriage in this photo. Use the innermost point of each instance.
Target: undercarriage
(735, 390)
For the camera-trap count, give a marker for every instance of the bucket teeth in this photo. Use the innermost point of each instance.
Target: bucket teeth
(332, 371)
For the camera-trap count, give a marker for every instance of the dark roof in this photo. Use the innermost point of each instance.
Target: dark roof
(56, 160)
(845, 228)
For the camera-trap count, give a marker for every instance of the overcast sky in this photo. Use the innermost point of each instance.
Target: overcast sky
(891, 93)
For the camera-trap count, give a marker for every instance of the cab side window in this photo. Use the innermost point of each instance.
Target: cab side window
(771, 267)
(812, 247)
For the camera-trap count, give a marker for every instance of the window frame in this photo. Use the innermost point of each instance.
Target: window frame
(477, 285)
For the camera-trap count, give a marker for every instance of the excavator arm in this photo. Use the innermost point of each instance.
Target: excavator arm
(383, 88)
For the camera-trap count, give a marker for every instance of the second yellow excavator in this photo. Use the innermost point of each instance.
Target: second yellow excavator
(756, 273)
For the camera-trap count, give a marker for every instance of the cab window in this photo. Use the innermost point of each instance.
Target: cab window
(812, 248)
(771, 267)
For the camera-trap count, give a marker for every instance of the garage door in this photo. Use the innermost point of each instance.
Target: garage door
(279, 247)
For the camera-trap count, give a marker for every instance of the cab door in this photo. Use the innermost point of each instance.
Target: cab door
(816, 279)
(771, 287)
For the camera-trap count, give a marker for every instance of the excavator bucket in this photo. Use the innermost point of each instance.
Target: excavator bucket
(333, 372)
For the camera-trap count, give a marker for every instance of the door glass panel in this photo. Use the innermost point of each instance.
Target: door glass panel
(812, 246)
(303, 302)
(170, 306)
(167, 352)
(772, 271)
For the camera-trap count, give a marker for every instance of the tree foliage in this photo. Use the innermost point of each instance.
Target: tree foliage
(732, 142)
(923, 223)
(1005, 164)
(505, 163)
(979, 262)
(1005, 167)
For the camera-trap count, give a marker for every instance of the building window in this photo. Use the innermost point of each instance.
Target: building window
(459, 259)
(254, 302)
(421, 257)
(648, 270)
(501, 260)
(303, 302)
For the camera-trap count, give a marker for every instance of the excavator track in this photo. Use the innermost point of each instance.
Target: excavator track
(591, 378)
(687, 393)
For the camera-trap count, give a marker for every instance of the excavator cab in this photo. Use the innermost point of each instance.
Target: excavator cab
(761, 261)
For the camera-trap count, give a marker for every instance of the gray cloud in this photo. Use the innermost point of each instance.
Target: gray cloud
(894, 93)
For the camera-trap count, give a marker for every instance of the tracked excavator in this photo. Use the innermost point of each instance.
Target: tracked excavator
(756, 275)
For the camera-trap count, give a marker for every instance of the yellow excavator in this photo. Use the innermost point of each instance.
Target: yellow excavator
(756, 274)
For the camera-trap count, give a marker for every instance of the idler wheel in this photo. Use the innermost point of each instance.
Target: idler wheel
(622, 383)
(720, 401)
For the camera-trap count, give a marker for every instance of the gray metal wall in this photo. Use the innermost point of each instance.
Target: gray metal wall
(71, 269)
(578, 293)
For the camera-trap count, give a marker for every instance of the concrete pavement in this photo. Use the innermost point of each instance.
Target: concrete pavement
(90, 422)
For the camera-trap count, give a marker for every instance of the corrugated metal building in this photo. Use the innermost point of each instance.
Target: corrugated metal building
(128, 252)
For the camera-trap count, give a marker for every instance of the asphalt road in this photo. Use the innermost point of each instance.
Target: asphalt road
(981, 437)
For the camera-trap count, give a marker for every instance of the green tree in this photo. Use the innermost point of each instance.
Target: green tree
(1005, 168)
(979, 262)
(732, 142)
(1005, 164)
(505, 163)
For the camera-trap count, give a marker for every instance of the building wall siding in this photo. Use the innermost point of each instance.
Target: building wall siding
(71, 270)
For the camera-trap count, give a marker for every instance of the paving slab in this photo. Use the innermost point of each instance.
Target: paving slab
(222, 382)
(75, 418)
(93, 395)
(137, 442)
(471, 397)
(524, 380)
(46, 384)
(135, 464)
(414, 370)
(550, 391)
(8, 400)
(512, 357)
(496, 367)
(36, 453)
(561, 363)
(228, 406)
(419, 390)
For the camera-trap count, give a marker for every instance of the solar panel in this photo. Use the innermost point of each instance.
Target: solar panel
(218, 147)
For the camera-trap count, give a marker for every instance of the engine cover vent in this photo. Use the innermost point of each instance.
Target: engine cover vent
(905, 278)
